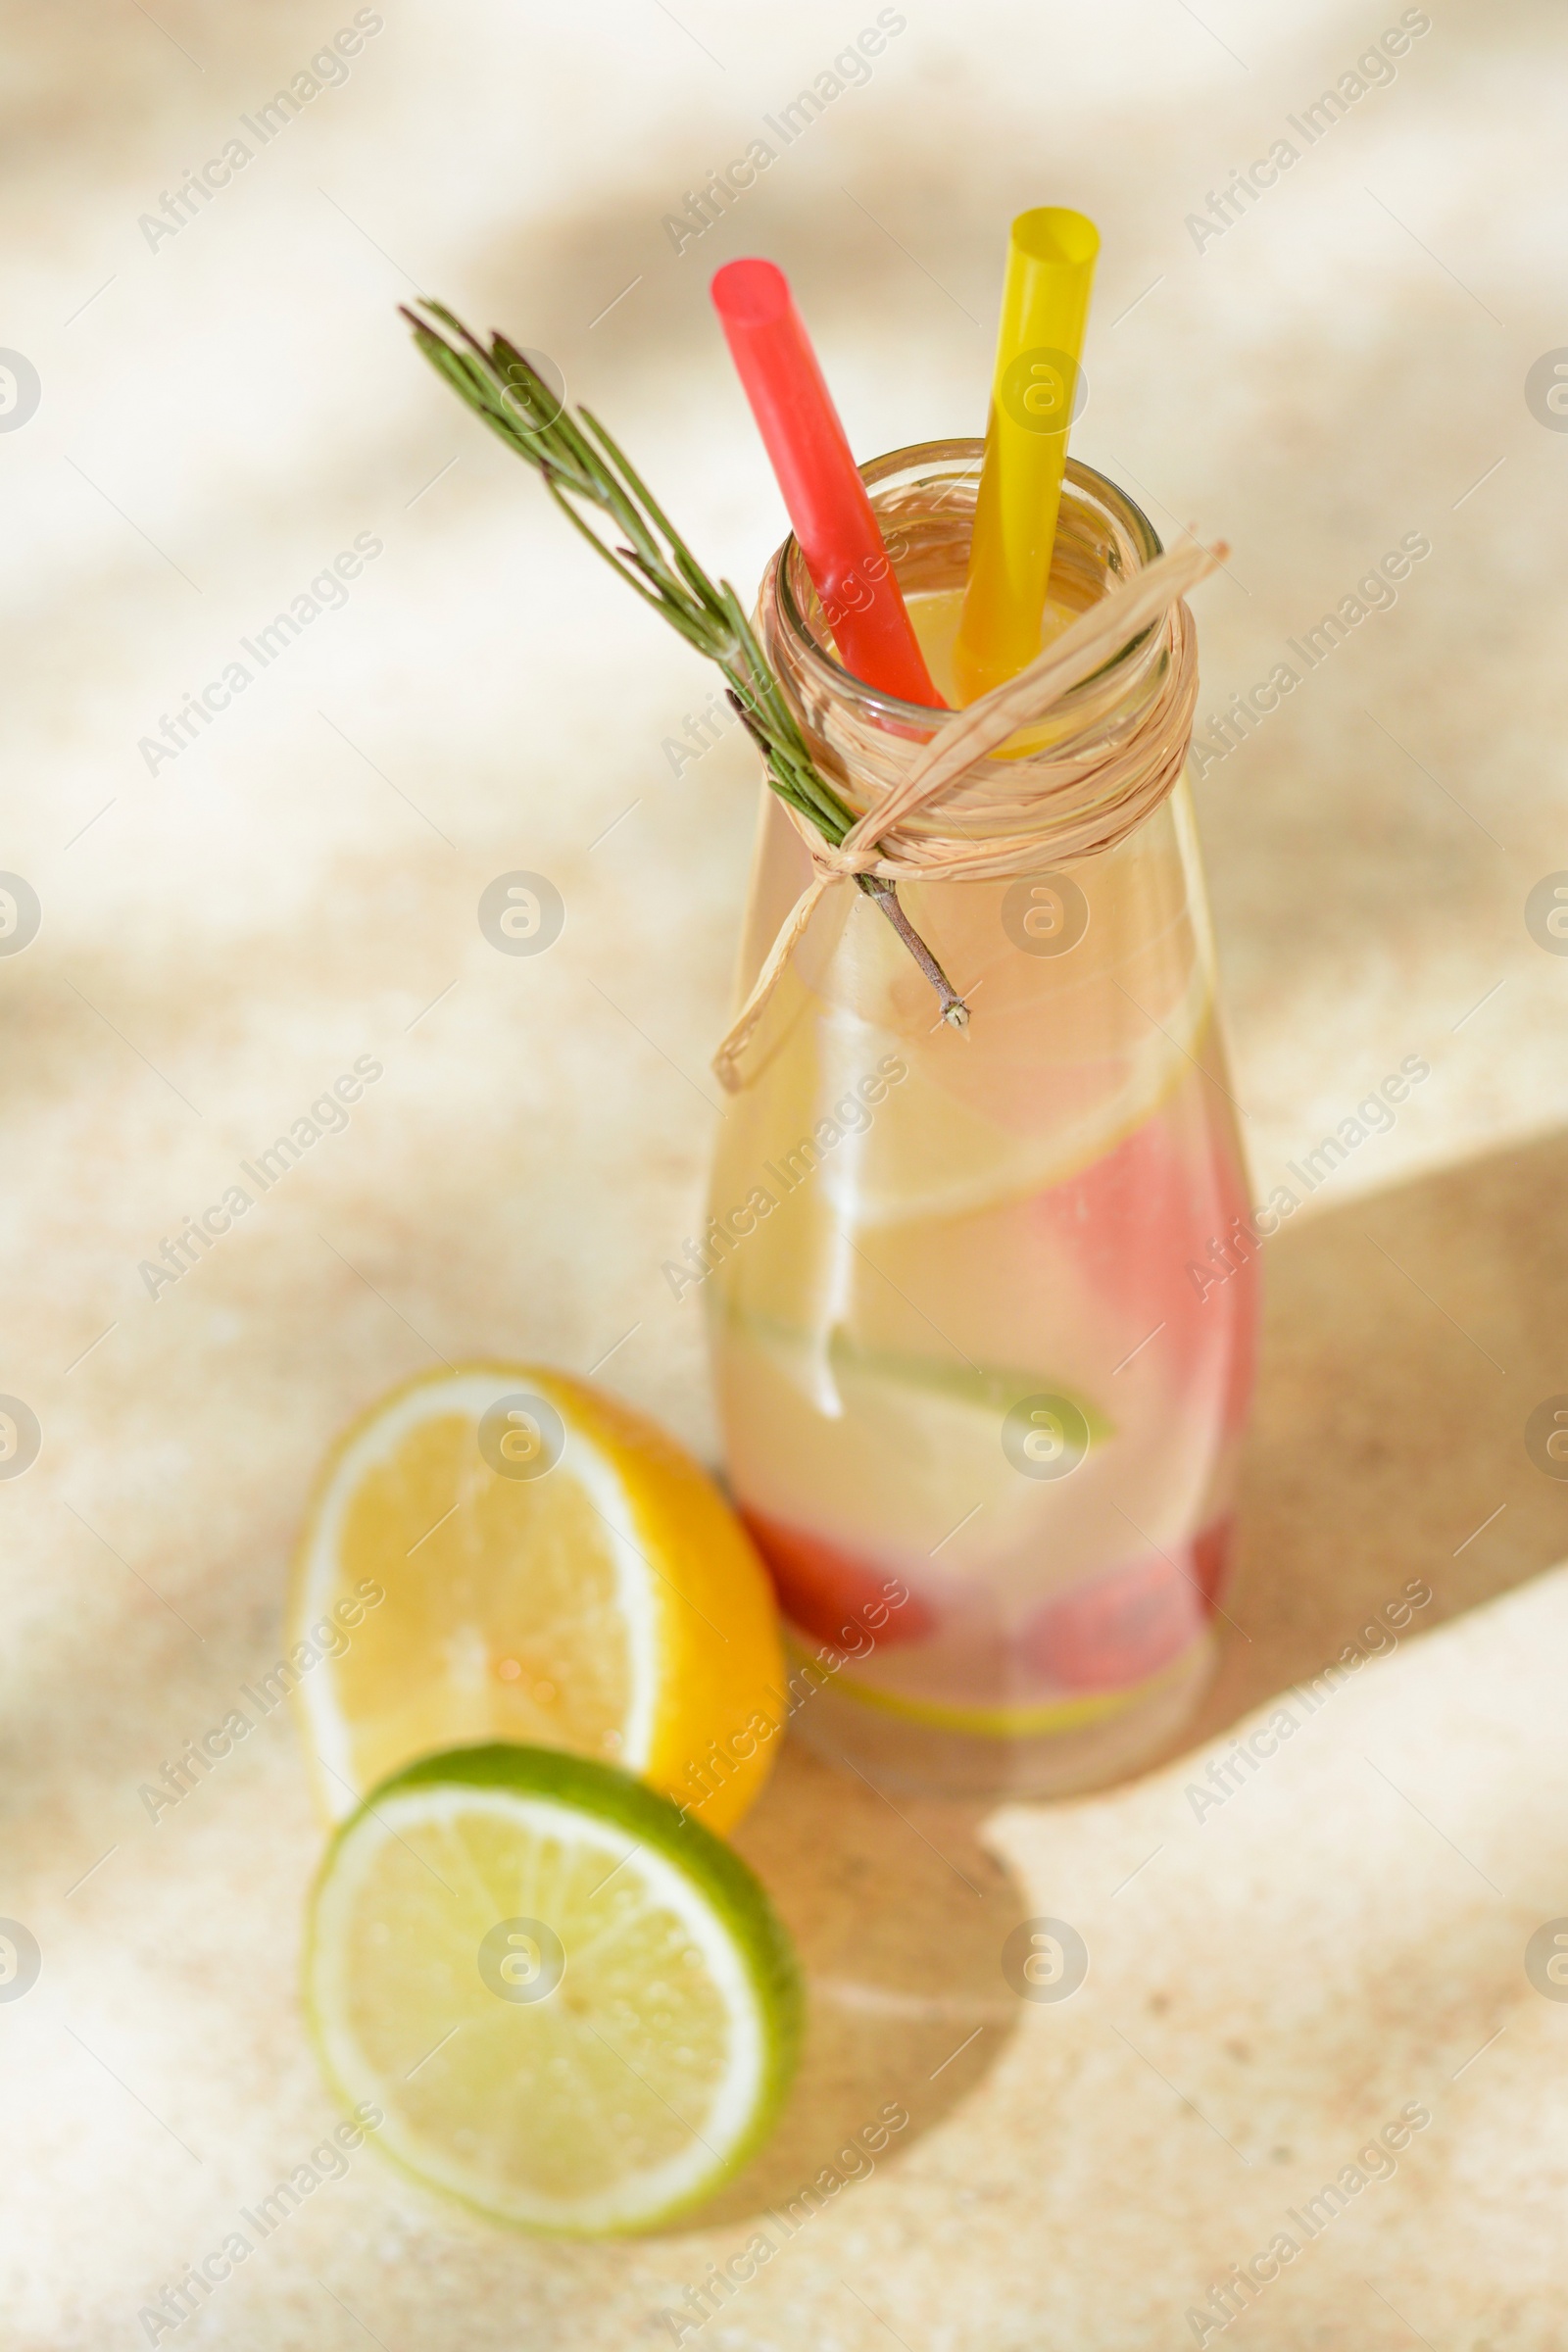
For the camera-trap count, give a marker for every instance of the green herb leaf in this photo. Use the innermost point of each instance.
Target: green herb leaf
(583, 466)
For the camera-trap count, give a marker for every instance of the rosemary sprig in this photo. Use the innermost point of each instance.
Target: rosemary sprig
(594, 484)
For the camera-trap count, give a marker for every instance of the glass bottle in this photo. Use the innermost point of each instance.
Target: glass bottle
(982, 1303)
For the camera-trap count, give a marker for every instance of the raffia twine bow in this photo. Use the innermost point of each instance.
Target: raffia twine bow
(1094, 802)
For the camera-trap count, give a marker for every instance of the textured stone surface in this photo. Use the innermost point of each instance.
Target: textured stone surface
(220, 415)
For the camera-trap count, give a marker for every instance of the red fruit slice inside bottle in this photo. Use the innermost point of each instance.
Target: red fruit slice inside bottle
(1121, 1628)
(841, 1596)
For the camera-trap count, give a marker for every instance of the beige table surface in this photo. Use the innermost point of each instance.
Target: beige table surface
(222, 410)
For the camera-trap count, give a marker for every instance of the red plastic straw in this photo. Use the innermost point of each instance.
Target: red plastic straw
(823, 489)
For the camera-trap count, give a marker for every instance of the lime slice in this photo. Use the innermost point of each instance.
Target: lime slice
(574, 2008)
(887, 1447)
(1050, 1719)
(989, 1389)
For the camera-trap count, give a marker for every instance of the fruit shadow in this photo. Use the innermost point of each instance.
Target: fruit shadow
(1407, 1338)
(899, 1916)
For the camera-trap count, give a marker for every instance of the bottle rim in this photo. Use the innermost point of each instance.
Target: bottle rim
(1130, 529)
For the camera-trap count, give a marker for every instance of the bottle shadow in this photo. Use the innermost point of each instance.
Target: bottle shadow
(1408, 1338)
(899, 1915)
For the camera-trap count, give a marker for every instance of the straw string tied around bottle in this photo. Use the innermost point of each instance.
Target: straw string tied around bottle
(1094, 803)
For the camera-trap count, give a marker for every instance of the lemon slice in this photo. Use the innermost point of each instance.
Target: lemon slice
(572, 2008)
(935, 1156)
(498, 1551)
(873, 1114)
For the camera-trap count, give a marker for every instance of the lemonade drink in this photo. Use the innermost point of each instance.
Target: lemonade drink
(982, 1333)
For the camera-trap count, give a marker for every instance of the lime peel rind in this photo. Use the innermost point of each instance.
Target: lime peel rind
(736, 1915)
(1054, 1716)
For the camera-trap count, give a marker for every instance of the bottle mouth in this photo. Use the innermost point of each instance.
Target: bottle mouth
(924, 500)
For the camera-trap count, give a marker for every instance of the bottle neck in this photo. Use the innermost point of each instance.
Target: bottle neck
(867, 741)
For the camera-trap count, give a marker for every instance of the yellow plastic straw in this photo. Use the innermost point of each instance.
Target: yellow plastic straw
(1050, 266)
